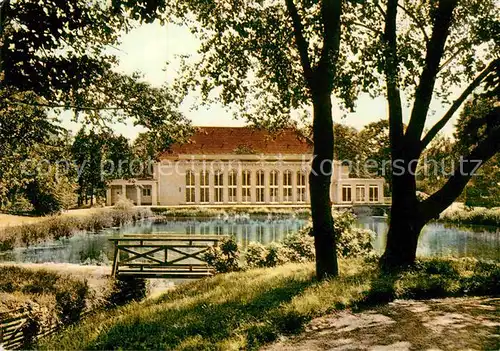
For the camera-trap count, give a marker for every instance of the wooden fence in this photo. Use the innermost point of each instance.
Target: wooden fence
(19, 328)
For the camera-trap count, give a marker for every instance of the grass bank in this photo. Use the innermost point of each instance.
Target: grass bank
(244, 310)
(478, 216)
(52, 297)
(56, 227)
(60, 295)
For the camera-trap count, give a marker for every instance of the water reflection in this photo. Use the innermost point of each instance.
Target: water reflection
(436, 240)
(261, 230)
(439, 240)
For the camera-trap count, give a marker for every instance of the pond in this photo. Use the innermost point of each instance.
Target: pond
(437, 239)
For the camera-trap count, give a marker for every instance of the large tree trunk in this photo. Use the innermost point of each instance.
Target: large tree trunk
(319, 184)
(406, 221)
(402, 238)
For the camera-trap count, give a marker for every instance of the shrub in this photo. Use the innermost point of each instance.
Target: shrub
(20, 205)
(355, 242)
(481, 216)
(124, 204)
(255, 255)
(7, 242)
(300, 246)
(224, 257)
(70, 300)
(48, 295)
(351, 241)
(277, 254)
(126, 290)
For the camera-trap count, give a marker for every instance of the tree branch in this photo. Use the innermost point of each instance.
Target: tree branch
(452, 56)
(67, 106)
(302, 44)
(376, 31)
(435, 51)
(444, 197)
(419, 24)
(457, 103)
(381, 10)
(392, 79)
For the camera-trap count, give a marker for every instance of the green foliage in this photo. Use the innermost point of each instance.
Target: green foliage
(255, 255)
(437, 162)
(19, 205)
(374, 138)
(277, 254)
(297, 247)
(224, 257)
(76, 70)
(474, 124)
(126, 290)
(34, 143)
(355, 242)
(479, 216)
(351, 241)
(300, 245)
(348, 144)
(70, 300)
(123, 204)
(245, 310)
(68, 67)
(475, 127)
(68, 296)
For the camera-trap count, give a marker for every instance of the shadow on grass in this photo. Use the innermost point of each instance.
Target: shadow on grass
(434, 278)
(204, 324)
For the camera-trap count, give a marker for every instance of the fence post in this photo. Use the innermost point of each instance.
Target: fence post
(115, 259)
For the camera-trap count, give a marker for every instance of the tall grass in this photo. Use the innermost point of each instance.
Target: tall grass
(62, 226)
(480, 216)
(244, 310)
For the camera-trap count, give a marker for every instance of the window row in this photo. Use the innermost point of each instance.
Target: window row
(233, 185)
(373, 193)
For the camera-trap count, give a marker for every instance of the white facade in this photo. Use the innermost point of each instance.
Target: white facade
(230, 179)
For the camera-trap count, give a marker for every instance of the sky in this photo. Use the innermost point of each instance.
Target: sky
(149, 47)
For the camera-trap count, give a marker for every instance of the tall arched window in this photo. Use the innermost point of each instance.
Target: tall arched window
(259, 186)
(287, 186)
(246, 185)
(273, 186)
(232, 186)
(219, 186)
(204, 187)
(190, 187)
(301, 186)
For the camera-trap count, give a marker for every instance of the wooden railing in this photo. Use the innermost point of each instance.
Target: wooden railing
(162, 255)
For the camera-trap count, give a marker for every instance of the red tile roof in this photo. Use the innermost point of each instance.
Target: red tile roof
(240, 140)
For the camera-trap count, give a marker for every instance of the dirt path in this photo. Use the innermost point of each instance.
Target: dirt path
(444, 324)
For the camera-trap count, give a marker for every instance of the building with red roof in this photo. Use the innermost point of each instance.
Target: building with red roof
(227, 166)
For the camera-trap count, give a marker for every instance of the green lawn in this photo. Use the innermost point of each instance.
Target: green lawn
(248, 309)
